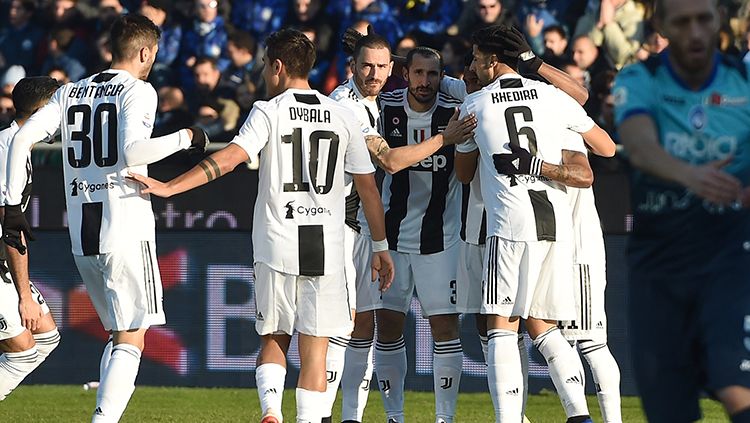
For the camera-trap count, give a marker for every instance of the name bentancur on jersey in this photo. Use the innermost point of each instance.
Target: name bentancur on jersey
(97, 91)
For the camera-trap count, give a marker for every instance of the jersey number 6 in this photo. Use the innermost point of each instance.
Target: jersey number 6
(84, 135)
(297, 185)
(514, 131)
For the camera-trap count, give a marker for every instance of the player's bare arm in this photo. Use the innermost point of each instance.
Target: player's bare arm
(210, 168)
(28, 308)
(382, 265)
(465, 166)
(574, 172)
(393, 160)
(564, 82)
(599, 142)
(639, 136)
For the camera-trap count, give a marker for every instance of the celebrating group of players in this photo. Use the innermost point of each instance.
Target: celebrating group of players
(520, 239)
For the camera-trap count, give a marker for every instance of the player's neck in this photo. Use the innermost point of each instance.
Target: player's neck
(132, 70)
(296, 84)
(695, 80)
(367, 97)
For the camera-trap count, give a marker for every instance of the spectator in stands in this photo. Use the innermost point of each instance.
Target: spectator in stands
(60, 41)
(207, 78)
(7, 111)
(429, 17)
(19, 40)
(581, 76)
(454, 50)
(406, 44)
(209, 119)
(376, 12)
(259, 17)
(11, 77)
(616, 26)
(589, 57)
(555, 45)
(171, 113)
(205, 37)
(552, 12)
(318, 73)
(59, 74)
(654, 43)
(115, 5)
(244, 67)
(479, 14)
(171, 35)
(304, 13)
(103, 58)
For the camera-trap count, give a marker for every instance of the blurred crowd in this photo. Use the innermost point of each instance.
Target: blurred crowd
(208, 69)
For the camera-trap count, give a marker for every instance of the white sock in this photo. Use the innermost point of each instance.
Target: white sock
(483, 341)
(524, 354)
(14, 367)
(606, 375)
(504, 375)
(447, 363)
(118, 383)
(103, 364)
(334, 370)
(564, 368)
(390, 365)
(309, 406)
(269, 378)
(355, 382)
(46, 342)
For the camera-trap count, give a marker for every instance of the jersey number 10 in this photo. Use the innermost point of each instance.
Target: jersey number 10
(295, 139)
(84, 135)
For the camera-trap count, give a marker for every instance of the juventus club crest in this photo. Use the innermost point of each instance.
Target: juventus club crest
(3, 323)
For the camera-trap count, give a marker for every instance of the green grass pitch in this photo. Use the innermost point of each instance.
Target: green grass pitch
(61, 404)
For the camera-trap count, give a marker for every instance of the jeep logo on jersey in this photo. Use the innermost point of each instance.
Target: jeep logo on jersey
(76, 186)
(431, 164)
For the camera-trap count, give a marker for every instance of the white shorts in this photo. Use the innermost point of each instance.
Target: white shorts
(432, 275)
(364, 294)
(10, 319)
(528, 279)
(124, 286)
(312, 305)
(589, 284)
(469, 278)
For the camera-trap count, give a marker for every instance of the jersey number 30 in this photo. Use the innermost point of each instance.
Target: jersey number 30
(295, 139)
(83, 112)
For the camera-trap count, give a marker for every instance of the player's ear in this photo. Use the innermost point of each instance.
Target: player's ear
(405, 73)
(277, 66)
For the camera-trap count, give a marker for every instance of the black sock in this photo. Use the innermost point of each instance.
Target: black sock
(578, 419)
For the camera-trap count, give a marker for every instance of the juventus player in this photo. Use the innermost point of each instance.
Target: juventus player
(372, 66)
(422, 207)
(106, 121)
(299, 204)
(528, 260)
(28, 333)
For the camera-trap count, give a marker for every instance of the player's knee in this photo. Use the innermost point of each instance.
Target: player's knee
(19, 364)
(390, 325)
(364, 325)
(444, 327)
(46, 342)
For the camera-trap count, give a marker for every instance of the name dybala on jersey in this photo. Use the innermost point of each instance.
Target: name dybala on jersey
(422, 202)
(99, 117)
(306, 142)
(368, 115)
(530, 114)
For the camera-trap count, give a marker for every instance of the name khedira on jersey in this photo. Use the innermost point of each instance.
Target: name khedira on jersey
(519, 95)
(96, 91)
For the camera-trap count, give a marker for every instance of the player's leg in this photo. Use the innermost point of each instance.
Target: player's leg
(469, 287)
(311, 385)
(523, 352)
(46, 335)
(19, 354)
(606, 374)
(390, 348)
(270, 375)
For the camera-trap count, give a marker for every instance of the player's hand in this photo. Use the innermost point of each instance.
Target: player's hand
(518, 162)
(382, 269)
(711, 183)
(351, 36)
(534, 25)
(459, 131)
(16, 228)
(150, 185)
(31, 313)
(518, 47)
(198, 140)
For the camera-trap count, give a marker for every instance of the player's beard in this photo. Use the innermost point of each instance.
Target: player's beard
(369, 87)
(423, 95)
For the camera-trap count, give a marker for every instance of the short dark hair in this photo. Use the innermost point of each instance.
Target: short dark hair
(293, 49)
(370, 41)
(244, 40)
(164, 5)
(491, 40)
(63, 36)
(427, 52)
(556, 28)
(32, 93)
(130, 33)
(202, 60)
(468, 58)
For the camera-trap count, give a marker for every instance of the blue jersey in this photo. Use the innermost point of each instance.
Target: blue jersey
(673, 228)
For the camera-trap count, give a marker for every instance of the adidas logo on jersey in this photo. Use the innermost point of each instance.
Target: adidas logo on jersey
(507, 301)
(396, 133)
(574, 379)
(259, 316)
(599, 325)
(512, 392)
(98, 411)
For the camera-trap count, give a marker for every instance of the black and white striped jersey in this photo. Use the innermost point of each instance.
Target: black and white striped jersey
(368, 115)
(6, 136)
(473, 215)
(423, 202)
(306, 142)
(533, 115)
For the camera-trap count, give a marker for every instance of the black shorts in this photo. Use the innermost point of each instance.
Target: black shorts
(689, 331)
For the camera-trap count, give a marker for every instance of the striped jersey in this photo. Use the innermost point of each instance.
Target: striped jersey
(422, 202)
(6, 136)
(532, 115)
(98, 118)
(306, 142)
(368, 115)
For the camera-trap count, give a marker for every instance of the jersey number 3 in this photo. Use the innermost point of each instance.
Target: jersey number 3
(84, 135)
(295, 139)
